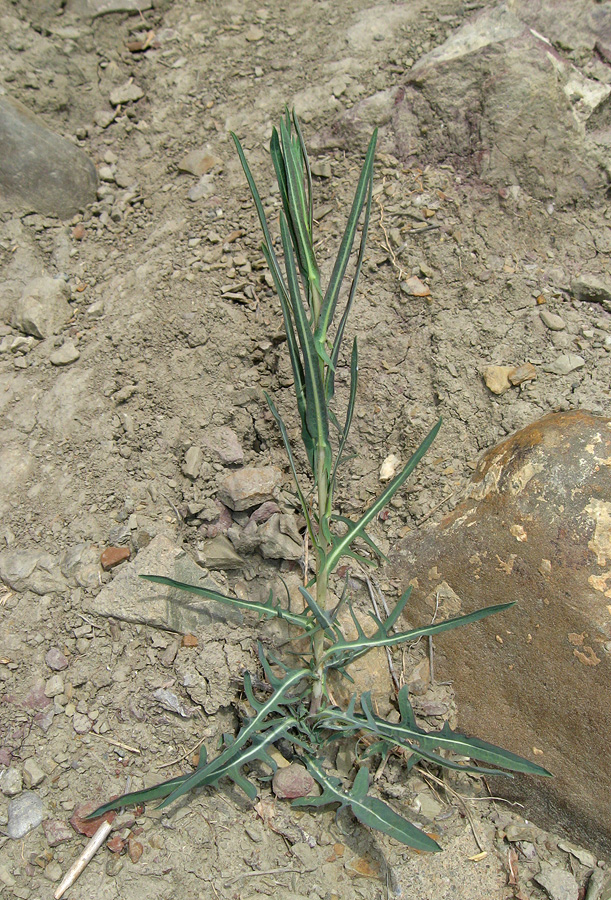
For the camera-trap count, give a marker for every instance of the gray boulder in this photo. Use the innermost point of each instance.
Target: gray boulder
(39, 170)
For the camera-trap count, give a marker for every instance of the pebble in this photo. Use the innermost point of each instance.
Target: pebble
(413, 287)
(203, 188)
(278, 540)
(55, 659)
(589, 288)
(199, 162)
(249, 487)
(389, 467)
(254, 34)
(551, 320)
(54, 686)
(56, 832)
(81, 723)
(321, 168)
(32, 773)
(43, 307)
(53, 872)
(224, 443)
(496, 378)
(564, 364)
(24, 814)
(65, 355)
(11, 782)
(194, 458)
(134, 848)
(557, 883)
(126, 93)
(112, 556)
(5, 876)
(218, 553)
(520, 374)
(292, 781)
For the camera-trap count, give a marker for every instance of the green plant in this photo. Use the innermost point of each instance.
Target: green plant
(299, 707)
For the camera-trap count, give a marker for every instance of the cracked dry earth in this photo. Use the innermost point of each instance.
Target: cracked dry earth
(157, 395)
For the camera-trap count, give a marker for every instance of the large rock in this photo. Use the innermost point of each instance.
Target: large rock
(499, 102)
(43, 308)
(132, 599)
(535, 528)
(39, 170)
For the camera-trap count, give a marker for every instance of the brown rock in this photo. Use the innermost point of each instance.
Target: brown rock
(525, 372)
(85, 826)
(535, 528)
(56, 832)
(413, 287)
(112, 556)
(189, 640)
(497, 378)
(116, 844)
(292, 781)
(134, 848)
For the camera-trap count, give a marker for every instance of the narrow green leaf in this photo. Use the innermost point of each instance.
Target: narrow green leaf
(269, 609)
(342, 544)
(354, 374)
(341, 263)
(369, 811)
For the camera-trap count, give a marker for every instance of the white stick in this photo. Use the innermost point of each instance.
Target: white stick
(88, 853)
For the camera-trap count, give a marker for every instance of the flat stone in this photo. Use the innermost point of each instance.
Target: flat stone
(249, 487)
(39, 170)
(525, 372)
(112, 556)
(536, 528)
(132, 599)
(219, 553)
(591, 289)
(292, 781)
(496, 378)
(126, 93)
(557, 883)
(88, 827)
(565, 364)
(32, 773)
(413, 287)
(193, 460)
(254, 34)
(54, 686)
(43, 307)
(65, 355)
(55, 659)
(551, 320)
(224, 443)
(94, 8)
(57, 832)
(199, 162)
(24, 814)
(389, 467)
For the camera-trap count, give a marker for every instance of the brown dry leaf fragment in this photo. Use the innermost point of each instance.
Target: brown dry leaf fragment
(512, 862)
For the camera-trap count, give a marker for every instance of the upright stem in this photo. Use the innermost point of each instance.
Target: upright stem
(322, 577)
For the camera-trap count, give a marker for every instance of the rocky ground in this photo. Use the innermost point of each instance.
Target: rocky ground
(136, 340)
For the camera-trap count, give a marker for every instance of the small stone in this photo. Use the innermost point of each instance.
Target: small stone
(551, 320)
(104, 117)
(194, 458)
(32, 773)
(520, 374)
(55, 659)
(43, 308)
(278, 540)
(114, 866)
(249, 487)
(589, 288)
(11, 783)
(322, 168)
(81, 723)
(134, 848)
(171, 702)
(54, 686)
(24, 814)
(496, 378)
(199, 162)
(413, 287)
(53, 872)
(116, 844)
(189, 640)
(254, 34)
(219, 554)
(65, 355)
(565, 364)
(557, 883)
(292, 781)
(264, 512)
(5, 876)
(419, 678)
(85, 826)
(389, 467)
(224, 443)
(126, 93)
(56, 832)
(112, 556)
(79, 232)
(586, 858)
(203, 188)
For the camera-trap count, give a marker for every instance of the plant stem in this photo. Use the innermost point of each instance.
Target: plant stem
(322, 577)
